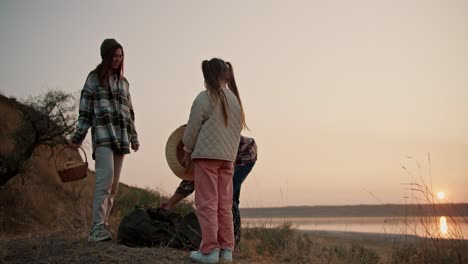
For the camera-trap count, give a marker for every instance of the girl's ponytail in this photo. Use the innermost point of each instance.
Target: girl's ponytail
(211, 75)
(233, 87)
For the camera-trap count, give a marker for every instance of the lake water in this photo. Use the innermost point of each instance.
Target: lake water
(441, 227)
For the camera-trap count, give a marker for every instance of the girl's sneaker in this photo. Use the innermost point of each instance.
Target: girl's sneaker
(99, 233)
(198, 256)
(226, 255)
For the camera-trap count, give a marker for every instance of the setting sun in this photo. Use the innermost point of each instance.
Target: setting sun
(441, 195)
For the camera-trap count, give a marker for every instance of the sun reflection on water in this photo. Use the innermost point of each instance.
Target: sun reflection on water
(443, 225)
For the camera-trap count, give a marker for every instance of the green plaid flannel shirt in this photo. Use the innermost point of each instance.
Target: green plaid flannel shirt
(109, 113)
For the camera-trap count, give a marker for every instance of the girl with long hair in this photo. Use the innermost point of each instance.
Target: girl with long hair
(106, 107)
(211, 141)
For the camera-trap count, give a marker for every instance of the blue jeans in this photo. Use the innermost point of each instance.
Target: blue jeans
(240, 173)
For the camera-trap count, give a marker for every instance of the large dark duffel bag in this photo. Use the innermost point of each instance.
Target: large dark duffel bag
(159, 228)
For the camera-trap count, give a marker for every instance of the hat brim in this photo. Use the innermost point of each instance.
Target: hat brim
(175, 154)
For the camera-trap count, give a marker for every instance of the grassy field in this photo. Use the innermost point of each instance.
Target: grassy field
(259, 245)
(49, 223)
(281, 244)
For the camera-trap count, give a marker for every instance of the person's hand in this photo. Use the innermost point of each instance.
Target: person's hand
(135, 147)
(188, 166)
(74, 145)
(187, 159)
(165, 205)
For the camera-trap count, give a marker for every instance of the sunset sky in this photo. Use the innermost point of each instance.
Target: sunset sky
(337, 94)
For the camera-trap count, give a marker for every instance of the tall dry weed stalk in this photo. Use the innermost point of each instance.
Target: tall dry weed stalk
(434, 245)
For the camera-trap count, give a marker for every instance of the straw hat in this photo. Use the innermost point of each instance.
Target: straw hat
(175, 154)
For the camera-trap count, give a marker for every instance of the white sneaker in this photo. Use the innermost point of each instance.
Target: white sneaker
(226, 255)
(198, 256)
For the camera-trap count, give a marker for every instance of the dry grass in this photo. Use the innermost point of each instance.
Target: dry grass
(282, 244)
(63, 248)
(434, 246)
(36, 200)
(286, 245)
(259, 245)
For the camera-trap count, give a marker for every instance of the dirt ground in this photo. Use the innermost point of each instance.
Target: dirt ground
(61, 248)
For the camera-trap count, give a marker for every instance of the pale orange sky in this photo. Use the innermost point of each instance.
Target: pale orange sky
(337, 93)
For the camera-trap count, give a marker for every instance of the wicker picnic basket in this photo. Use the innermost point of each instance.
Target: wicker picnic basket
(72, 170)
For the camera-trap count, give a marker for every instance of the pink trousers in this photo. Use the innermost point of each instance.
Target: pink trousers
(213, 200)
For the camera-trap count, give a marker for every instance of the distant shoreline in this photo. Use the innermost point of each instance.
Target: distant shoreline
(385, 210)
(368, 235)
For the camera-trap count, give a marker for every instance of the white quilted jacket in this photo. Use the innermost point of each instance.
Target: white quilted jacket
(206, 135)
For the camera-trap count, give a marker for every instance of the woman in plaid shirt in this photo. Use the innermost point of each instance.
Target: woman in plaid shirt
(106, 107)
(245, 161)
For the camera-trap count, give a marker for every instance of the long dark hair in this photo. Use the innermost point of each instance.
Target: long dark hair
(103, 69)
(214, 71)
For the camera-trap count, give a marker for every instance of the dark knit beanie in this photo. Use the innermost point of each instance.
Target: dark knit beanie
(107, 45)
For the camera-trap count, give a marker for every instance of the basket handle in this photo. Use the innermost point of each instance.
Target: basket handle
(60, 151)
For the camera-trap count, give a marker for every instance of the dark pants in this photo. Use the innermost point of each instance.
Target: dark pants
(240, 173)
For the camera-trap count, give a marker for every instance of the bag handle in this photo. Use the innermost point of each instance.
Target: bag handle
(60, 151)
